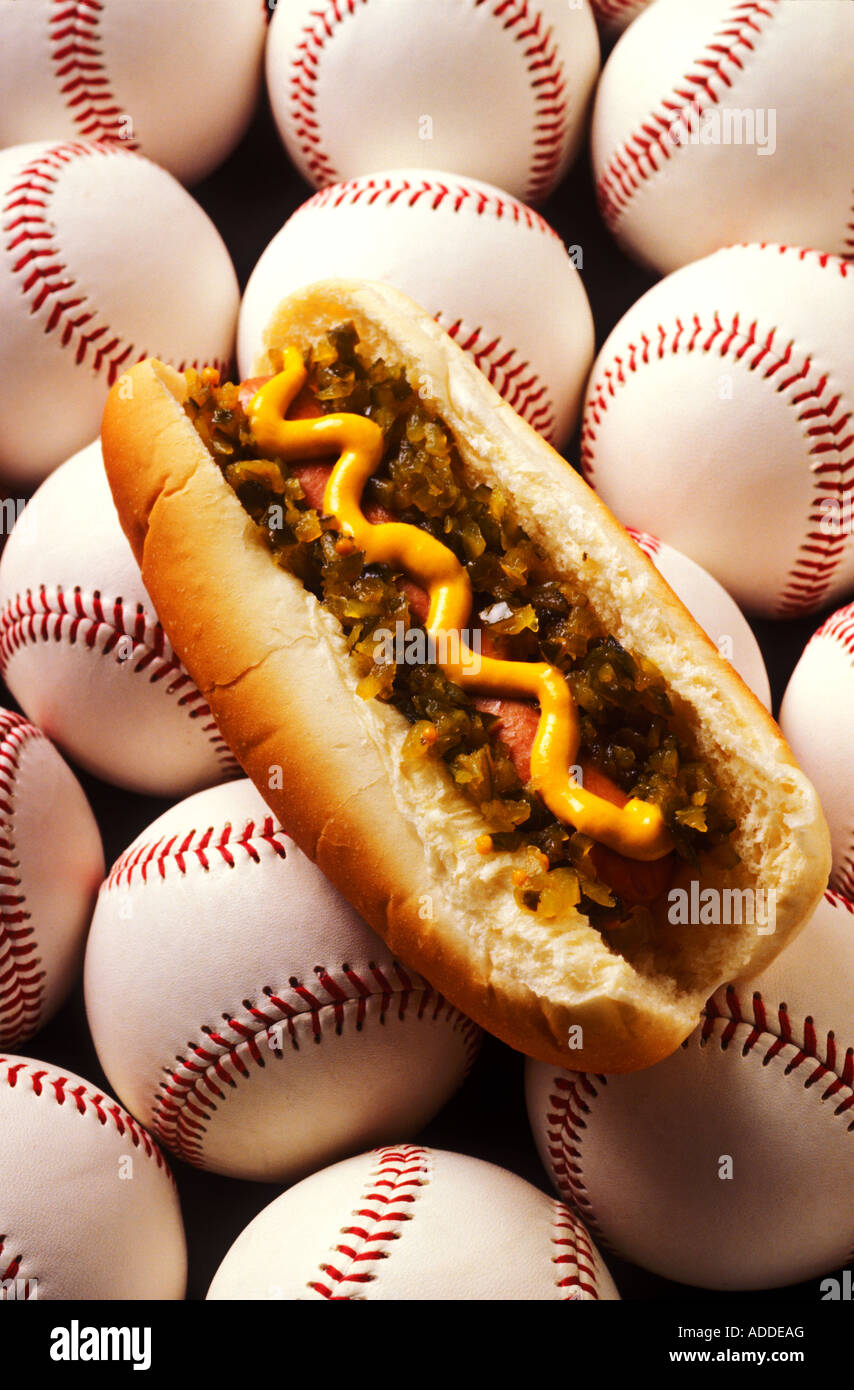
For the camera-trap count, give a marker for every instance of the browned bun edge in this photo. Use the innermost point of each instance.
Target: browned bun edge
(399, 842)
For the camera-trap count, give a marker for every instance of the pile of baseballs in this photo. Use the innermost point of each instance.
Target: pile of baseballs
(247, 1021)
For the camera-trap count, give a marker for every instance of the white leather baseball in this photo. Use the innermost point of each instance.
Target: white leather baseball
(495, 89)
(613, 16)
(726, 1166)
(718, 615)
(88, 1207)
(471, 255)
(106, 259)
(718, 416)
(719, 121)
(150, 75)
(245, 1013)
(815, 717)
(52, 865)
(413, 1223)
(83, 652)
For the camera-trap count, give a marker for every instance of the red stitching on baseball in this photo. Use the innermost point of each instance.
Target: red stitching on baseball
(191, 1088)
(392, 1192)
(21, 979)
(45, 279)
(568, 1106)
(827, 260)
(101, 624)
(78, 62)
(457, 196)
(645, 152)
(546, 74)
(844, 875)
(839, 628)
(10, 1272)
(517, 18)
(200, 847)
(576, 1250)
(575, 1091)
(197, 1083)
(650, 545)
(513, 377)
(825, 423)
(307, 55)
(46, 1083)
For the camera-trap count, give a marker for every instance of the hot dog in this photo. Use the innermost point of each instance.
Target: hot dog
(467, 693)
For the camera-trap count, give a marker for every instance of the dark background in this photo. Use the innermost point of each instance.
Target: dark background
(249, 198)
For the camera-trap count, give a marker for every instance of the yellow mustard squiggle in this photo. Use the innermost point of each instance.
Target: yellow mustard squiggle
(636, 829)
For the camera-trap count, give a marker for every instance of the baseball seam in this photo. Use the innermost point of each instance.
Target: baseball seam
(548, 85)
(38, 262)
(576, 1250)
(196, 847)
(511, 374)
(435, 193)
(102, 624)
(45, 1083)
(819, 410)
(21, 980)
(839, 628)
(643, 153)
(390, 1200)
(196, 1084)
(81, 73)
(524, 25)
(573, 1093)
(650, 545)
(845, 874)
(12, 1270)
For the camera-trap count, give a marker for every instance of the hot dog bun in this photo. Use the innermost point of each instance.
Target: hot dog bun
(398, 839)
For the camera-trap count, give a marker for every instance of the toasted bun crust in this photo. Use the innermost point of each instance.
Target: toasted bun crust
(397, 838)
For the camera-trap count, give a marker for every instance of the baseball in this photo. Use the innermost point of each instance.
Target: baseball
(244, 1012)
(412, 1223)
(485, 88)
(613, 16)
(815, 717)
(717, 418)
(720, 618)
(90, 1209)
(106, 260)
(696, 1168)
(52, 865)
(148, 75)
(83, 652)
(492, 272)
(727, 120)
